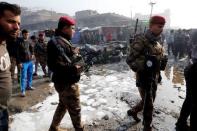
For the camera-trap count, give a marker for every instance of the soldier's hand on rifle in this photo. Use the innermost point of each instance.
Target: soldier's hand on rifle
(78, 66)
(76, 50)
(20, 65)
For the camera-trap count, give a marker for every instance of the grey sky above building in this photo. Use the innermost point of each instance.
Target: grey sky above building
(182, 11)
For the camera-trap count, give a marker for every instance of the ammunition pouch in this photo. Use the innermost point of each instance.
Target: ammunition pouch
(136, 65)
(152, 64)
(129, 62)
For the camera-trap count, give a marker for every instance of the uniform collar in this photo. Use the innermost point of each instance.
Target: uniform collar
(151, 37)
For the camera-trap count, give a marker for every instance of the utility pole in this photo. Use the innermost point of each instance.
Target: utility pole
(51, 12)
(152, 5)
(131, 14)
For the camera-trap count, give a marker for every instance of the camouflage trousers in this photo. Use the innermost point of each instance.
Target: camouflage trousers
(193, 85)
(43, 63)
(146, 104)
(69, 100)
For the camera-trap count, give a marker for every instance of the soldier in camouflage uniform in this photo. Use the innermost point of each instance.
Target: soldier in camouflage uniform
(66, 74)
(145, 58)
(40, 50)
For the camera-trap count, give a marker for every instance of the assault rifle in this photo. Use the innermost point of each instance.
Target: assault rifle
(135, 32)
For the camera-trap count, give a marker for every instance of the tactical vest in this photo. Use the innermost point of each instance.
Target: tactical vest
(138, 50)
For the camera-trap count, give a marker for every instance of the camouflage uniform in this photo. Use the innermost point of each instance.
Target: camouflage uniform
(40, 50)
(147, 85)
(68, 101)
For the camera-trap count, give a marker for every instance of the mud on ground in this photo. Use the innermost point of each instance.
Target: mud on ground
(19, 104)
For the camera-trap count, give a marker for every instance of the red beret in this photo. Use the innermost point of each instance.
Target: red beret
(157, 20)
(68, 20)
(41, 34)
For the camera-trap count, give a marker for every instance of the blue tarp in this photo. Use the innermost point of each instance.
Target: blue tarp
(76, 38)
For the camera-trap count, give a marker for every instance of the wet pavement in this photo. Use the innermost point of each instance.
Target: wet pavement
(107, 92)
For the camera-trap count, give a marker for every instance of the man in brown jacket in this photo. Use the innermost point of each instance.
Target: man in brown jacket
(146, 58)
(66, 74)
(9, 28)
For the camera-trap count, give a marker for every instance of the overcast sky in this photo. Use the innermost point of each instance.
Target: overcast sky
(182, 11)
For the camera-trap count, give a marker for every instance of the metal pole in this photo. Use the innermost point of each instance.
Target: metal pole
(151, 4)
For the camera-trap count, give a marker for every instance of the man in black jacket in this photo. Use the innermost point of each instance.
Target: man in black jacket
(12, 50)
(189, 105)
(24, 59)
(66, 74)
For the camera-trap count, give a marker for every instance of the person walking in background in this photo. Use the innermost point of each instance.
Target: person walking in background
(25, 54)
(170, 41)
(189, 105)
(40, 50)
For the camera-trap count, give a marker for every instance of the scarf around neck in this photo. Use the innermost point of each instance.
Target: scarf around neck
(151, 37)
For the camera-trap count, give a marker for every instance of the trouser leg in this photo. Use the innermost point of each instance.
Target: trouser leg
(139, 106)
(23, 77)
(29, 74)
(4, 120)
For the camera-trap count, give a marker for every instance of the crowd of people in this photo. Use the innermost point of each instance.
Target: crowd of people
(25, 52)
(178, 42)
(146, 58)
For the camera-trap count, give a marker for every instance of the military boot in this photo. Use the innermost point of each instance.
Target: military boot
(134, 115)
(147, 128)
(79, 129)
(182, 126)
(56, 129)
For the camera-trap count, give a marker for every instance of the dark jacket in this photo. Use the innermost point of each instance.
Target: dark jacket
(24, 51)
(64, 72)
(40, 48)
(12, 46)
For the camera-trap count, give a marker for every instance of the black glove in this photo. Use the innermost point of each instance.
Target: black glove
(164, 62)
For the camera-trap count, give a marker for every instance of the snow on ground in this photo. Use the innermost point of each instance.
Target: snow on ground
(100, 93)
